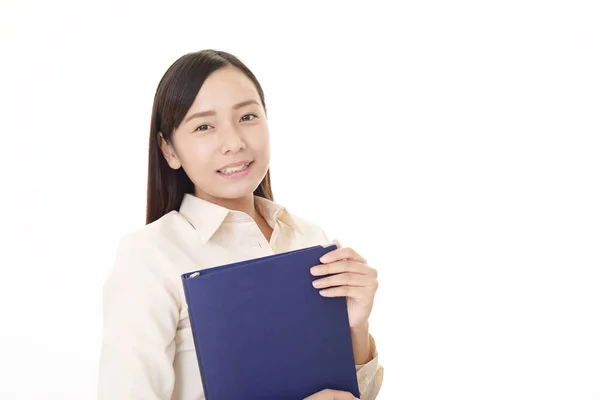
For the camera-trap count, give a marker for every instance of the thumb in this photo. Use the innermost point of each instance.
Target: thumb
(337, 243)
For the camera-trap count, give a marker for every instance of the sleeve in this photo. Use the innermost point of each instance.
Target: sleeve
(140, 317)
(369, 375)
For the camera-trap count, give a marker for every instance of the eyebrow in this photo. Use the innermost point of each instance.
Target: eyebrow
(211, 112)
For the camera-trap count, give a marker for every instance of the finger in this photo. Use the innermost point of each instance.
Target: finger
(344, 396)
(347, 278)
(341, 266)
(355, 292)
(329, 394)
(342, 254)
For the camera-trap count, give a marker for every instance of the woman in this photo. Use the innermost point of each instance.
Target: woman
(209, 203)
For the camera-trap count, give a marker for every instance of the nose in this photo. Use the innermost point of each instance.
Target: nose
(231, 140)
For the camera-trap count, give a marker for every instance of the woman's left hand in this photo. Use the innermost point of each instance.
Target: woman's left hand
(353, 279)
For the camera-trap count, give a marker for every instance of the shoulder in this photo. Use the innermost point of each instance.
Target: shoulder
(145, 249)
(169, 230)
(309, 229)
(142, 267)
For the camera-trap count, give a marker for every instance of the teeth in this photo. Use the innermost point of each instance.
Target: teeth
(234, 170)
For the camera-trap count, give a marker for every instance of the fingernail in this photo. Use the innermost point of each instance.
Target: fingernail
(314, 270)
(317, 283)
(324, 259)
(324, 292)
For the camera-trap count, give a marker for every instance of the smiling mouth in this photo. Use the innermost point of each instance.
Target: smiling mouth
(233, 170)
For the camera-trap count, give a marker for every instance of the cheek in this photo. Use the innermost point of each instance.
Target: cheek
(195, 157)
(259, 139)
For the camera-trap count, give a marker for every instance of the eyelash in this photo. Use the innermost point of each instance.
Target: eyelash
(245, 115)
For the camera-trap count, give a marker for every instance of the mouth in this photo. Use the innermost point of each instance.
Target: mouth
(238, 170)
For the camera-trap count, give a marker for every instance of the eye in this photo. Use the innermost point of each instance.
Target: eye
(202, 128)
(249, 115)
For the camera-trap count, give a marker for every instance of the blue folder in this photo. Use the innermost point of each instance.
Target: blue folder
(262, 331)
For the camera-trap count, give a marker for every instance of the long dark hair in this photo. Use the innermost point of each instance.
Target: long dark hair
(174, 96)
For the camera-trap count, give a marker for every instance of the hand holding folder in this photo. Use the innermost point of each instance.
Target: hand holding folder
(262, 331)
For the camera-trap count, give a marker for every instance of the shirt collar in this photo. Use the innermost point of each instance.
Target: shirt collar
(207, 217)
(275, 212)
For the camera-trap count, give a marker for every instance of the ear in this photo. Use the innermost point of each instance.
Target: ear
(168, 152)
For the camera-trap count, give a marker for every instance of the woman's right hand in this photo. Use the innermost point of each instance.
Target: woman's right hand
(329, 394)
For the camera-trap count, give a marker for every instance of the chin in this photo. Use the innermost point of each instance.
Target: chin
(236, 191)
(234, 195)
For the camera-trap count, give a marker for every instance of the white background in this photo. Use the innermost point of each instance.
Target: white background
(454, 144)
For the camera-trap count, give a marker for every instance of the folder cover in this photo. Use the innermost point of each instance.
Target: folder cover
(262, 331)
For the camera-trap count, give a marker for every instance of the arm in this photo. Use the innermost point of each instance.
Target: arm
(140, 317)
(369, 371)
(361, 344)
(370, 374)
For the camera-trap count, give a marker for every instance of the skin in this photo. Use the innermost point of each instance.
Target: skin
(331, 395)
(203, 144)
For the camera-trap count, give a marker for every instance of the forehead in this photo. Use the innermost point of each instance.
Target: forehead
(223, 88)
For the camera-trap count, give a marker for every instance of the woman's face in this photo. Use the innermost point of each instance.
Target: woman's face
(225, 125)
